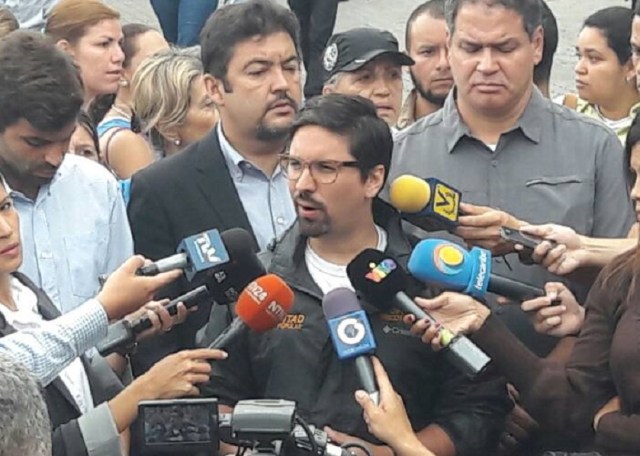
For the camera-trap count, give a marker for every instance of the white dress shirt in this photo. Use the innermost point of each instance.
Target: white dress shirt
(27, 316)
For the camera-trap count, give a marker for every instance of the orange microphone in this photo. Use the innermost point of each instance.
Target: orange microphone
(261, 306)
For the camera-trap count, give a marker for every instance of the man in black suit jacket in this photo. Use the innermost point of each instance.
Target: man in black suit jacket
(231, 178)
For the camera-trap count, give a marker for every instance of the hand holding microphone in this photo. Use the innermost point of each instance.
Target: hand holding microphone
(159, 317)
(561, 251)
(381, 281)
(461, 314)
(123, 335)
(480, 226)
(388, 420)
(565, 319)
(124, 291)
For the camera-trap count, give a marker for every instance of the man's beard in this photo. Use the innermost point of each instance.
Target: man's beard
(428, 95)
(314, 229)
(267, 133)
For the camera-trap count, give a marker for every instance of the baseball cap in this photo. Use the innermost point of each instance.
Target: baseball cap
(351, 50)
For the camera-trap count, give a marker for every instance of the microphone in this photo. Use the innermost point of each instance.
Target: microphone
(429, 198)
(352, 335)
(382, 281)
(242, 267)
(451, 267)
(121, 336)
(261, 306)
(227, 280)
(196, 254)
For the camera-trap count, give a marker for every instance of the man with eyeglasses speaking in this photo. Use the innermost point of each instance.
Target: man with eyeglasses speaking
(337, 162)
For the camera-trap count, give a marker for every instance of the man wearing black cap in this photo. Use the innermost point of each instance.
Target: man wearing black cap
(367, 62)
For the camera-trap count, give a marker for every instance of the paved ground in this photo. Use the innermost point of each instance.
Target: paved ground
(392, 14)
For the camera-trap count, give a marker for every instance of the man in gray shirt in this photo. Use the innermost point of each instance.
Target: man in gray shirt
(505, 146)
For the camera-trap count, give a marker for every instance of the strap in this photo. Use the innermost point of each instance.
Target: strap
(106, 146)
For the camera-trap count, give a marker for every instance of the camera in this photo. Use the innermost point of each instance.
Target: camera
(267, 427)
(183, 426)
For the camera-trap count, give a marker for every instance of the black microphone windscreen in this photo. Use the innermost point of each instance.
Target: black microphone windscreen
(339, 302)
(378, 277)
(244, 266)
(238, 242)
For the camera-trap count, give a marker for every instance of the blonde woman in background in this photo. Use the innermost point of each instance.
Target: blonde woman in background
(184, 113)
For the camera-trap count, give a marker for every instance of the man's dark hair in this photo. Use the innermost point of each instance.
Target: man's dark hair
(235, 23)
(353, 117)
(529, 10)
(38, 83)
(542, 71)
(434, 8)
(615, 25)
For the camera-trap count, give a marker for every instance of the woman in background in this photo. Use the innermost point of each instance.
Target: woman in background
(185, 113)
(605, 76)
(84, 141)
(123, 150)
(90, 32)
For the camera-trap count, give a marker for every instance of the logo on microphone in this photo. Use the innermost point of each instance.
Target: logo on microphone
(351, 331)
(446, 202)
(380, 271)
(207, 249)
(204, 250)
(483, 259)
(448, 258)
(352, 334)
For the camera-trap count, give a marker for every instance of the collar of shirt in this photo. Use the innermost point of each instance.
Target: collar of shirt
(43, 190)
(26, 314)
(237, 164)
(529, 123)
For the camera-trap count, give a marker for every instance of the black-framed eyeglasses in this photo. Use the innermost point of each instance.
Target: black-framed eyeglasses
(322, 171)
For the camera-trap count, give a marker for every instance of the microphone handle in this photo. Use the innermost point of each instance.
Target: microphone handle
(513, 289)
(119, 336)
(177, 261)
(150, 269)
(467, 356)
(460, 350)
(236, 328)
(367, 377)
(189, 299)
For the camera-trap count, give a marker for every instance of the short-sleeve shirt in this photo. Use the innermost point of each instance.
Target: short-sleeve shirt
(553, 166)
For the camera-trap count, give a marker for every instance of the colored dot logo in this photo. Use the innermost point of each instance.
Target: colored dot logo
(448, 258)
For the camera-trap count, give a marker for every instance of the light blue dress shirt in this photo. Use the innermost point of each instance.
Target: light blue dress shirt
(74, 231)
(266, 200)
(47, 350)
